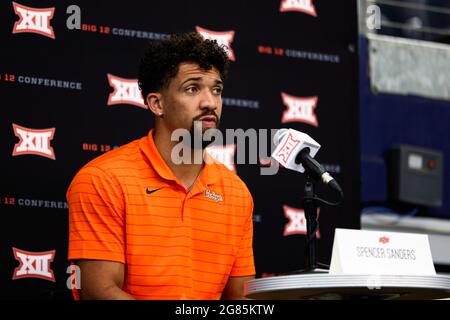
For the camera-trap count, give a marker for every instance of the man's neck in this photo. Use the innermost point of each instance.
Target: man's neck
(185, 172)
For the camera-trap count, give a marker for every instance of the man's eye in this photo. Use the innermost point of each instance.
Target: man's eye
(217, 90)
(191, 89)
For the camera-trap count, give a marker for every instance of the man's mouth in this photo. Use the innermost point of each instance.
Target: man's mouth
(208, 121)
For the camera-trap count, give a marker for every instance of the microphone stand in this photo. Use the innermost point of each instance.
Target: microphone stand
(310, 208)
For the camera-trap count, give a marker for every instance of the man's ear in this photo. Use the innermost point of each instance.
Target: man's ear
(154, 103)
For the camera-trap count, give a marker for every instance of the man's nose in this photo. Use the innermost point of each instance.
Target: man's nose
(208, 100)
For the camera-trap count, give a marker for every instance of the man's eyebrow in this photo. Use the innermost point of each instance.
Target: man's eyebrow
(217, 81)
(191, 79)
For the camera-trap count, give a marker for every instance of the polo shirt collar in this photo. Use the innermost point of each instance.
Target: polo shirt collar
(148, 146)
(209, 175)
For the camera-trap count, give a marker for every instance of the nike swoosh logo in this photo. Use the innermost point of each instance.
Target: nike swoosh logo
(151, 191)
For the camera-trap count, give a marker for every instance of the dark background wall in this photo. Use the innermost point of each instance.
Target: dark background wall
(294, 52)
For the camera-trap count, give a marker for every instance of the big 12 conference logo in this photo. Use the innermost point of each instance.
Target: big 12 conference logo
(224, 39)
(304, 6)
(126, 91)
(299, 109)
(34, 20)
(286, 150)
(34, 141)
(34, 265)
(297, 221)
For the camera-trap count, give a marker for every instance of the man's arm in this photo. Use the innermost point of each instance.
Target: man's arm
(234, 289)
(96, 233)
(102, 280)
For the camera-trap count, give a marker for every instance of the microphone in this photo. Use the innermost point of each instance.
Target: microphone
(295, 150)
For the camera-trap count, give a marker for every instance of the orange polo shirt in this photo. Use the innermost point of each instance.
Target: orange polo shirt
(127, 206)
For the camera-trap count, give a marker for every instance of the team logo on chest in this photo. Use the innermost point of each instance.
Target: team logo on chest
(212, 195)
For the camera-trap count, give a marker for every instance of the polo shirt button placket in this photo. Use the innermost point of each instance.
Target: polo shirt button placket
(182, 206)
(183, 195)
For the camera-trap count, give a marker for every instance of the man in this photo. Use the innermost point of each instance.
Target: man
(143, 227)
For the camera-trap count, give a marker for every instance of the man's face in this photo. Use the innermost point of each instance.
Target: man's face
(193, 95)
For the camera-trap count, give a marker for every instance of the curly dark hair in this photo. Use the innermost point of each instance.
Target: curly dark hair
(162, 58)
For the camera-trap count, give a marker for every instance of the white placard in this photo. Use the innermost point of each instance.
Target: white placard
(381, 253)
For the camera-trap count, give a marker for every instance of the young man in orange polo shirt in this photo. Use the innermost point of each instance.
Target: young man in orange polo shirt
(143, 227)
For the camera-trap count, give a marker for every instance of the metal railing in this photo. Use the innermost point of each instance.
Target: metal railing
(409, 19)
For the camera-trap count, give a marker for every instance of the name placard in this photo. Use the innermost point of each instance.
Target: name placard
(381, 253)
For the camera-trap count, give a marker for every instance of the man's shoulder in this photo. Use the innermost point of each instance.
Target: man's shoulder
(230, 178)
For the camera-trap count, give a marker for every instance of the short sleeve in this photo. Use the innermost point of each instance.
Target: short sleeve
(244, 264)
(96, 217)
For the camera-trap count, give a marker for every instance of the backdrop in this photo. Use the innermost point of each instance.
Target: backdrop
(68, 74)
